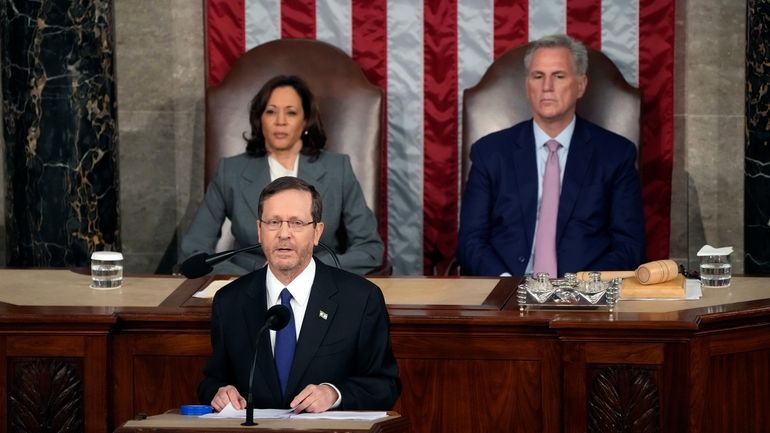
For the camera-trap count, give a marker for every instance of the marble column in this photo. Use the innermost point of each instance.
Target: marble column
(60, 131)
(757, 165)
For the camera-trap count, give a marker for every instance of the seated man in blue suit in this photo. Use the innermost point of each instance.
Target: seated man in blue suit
(334, 353)
(555, 193)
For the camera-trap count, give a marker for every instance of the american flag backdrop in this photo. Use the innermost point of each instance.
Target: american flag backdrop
(423, 54)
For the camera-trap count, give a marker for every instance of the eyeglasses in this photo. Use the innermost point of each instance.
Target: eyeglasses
(294, 225)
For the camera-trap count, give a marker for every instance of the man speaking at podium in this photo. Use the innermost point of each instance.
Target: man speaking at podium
(335, 351)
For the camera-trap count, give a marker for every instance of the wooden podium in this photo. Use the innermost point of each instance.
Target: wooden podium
(469, 360)
(171, 422)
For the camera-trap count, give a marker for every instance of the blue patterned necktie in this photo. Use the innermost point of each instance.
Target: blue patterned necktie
(285, 342)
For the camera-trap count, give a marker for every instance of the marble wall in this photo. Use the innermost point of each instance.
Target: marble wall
(60, 129)
(707, 199)
(160, 83)
(757, 138)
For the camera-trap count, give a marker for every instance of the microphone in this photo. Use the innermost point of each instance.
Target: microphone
(276, 318)
(203, 263)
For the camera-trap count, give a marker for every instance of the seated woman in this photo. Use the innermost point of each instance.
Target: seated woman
(287, 139)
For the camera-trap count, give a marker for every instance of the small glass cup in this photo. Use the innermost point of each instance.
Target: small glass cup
(106, 270)
(715, 271)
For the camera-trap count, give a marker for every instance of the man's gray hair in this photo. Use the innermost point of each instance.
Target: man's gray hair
(578, 50)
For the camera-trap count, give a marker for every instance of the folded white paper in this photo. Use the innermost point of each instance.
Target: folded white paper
(708, 250)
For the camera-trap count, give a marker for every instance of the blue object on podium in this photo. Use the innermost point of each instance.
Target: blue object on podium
(195, 409)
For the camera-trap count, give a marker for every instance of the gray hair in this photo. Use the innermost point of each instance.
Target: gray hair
(578, 50)
(290, 182)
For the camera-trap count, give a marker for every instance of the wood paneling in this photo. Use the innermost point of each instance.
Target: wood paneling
(473, 395)
(155, 372)
(4, 387)
(737, 393)
(482, 368)
(166, 381)
(55, 379)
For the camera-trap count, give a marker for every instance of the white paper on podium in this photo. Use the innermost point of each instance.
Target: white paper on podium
(209, 291)
(230, 412)
(692, 289)
(341, 414)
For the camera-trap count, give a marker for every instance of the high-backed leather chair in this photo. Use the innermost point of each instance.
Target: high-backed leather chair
(350, 106)
(499, 100)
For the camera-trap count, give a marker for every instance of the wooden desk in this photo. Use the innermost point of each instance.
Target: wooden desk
(467, 364)
(170, 422)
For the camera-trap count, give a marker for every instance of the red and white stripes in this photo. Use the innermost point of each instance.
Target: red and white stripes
(424, 54)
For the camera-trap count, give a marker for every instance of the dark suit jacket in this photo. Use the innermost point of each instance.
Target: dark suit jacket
(350, 228)
(600, 225)
(350, 348)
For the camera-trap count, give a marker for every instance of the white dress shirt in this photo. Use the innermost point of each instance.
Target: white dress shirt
(300, 294)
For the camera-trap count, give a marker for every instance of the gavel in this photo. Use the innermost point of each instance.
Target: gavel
(655, 272)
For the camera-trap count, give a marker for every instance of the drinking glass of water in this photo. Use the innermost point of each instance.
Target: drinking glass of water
(106, 270)
(715, 270)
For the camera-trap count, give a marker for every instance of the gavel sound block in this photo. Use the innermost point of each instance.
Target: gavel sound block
(658, 279)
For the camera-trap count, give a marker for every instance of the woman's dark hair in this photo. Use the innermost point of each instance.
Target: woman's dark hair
(313, 138)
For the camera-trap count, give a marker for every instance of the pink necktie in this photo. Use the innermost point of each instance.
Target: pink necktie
(545, 238)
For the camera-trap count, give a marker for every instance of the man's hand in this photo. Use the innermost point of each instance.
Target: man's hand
(314, 398)
(228, 394)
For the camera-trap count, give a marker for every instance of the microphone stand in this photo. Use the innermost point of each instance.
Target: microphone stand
(250, 400)
(202, 263)
(221, 257)
(332, 253)
(277, 318)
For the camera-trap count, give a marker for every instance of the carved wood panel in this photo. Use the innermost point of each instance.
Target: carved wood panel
(624, 398)
(45, 395)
